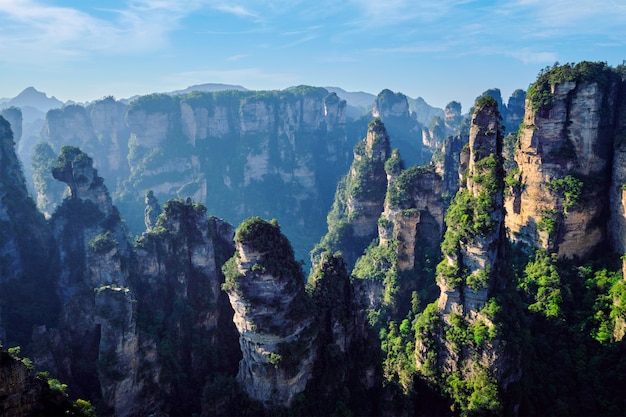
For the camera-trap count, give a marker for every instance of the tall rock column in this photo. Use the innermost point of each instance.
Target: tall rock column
(95, 344)
(475, 218)
(272, 313)
(457, 341)
(359, 199)
(558, 197)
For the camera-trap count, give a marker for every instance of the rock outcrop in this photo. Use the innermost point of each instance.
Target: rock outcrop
(407, 133)
(470, 272)
(558, 196)
(272, 314)
(359, 199)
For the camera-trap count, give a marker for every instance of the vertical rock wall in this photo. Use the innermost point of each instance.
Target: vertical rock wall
(564, 157)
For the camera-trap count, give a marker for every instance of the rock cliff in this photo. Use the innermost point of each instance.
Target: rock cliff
(23, 394)
(414, 212)
(470, 272)
(558, 195)
(359, 199)
(407, 133)
(97, 313)
(234, 151)
(272, 314)
(99, 129)
(28, 260)
(475, 219)
(182, 315)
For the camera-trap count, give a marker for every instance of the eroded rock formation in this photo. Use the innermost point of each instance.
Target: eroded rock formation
(558, 200)
(360, 196)
(272, 314)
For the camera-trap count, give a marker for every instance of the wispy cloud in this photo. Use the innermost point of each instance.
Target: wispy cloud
(33, 28)
(236, 10)
(30, 26)
(237, 57)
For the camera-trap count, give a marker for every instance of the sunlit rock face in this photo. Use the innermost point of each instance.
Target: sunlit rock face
(564, 158)
(272, 314)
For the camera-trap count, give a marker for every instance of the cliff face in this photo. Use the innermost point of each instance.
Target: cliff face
(12, 183)
(272, 314)
(24, 394)
(235, 151)
(130, 322)
(27, 258)
(617, 225)
(97, 313)
(475, 219)
(359, 199)
(558, 200)
(182, 314)
(414, 212)
(470, 272)
(13, 115)
(99, 129)
(407, 133)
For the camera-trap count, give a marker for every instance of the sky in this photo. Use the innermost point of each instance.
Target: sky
(440, 50)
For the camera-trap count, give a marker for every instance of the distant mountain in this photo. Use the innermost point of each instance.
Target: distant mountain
(359, 102)
(423, 111)
(209, 87)
(38, 100)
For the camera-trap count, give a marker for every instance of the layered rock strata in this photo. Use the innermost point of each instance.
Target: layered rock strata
(558, 198)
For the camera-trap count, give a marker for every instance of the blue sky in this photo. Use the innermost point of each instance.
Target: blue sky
(441, 50)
